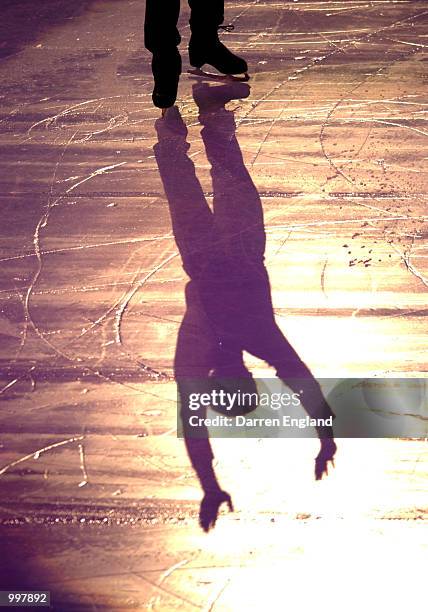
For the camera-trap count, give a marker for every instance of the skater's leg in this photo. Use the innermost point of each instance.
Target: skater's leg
(205, 14)
(160, 25)
(205, 46)
(161, 38)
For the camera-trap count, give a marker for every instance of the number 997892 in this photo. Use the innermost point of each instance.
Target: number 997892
(24, 598)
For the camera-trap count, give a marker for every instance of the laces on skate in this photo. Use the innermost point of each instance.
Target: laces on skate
(229, 27)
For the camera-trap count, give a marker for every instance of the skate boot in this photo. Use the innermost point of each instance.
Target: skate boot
(166, 67)
(208, 49)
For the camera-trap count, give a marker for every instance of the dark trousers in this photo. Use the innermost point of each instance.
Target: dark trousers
(160, 25)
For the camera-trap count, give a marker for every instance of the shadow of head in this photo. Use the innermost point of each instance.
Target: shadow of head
(234, 396)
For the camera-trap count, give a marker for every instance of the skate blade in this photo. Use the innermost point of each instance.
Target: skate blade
(213, 76)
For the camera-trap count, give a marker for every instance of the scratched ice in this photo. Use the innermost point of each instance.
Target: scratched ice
(334, 136)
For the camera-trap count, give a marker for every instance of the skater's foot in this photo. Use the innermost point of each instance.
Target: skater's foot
(206, 49)
(166, 67)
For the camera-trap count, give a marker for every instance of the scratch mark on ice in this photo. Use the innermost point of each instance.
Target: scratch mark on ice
(36, 454)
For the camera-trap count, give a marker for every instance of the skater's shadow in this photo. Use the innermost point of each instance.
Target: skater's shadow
(228, 298)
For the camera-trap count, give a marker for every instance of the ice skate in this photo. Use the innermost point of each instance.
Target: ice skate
(206, 48)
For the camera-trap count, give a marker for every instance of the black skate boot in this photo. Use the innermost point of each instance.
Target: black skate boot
(166, 67)
(206, 48)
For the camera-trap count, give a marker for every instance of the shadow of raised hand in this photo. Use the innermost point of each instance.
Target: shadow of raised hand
(326, 455)
(210, 506)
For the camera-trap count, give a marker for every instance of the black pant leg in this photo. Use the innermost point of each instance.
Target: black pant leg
(205, 15)
(160, 25)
